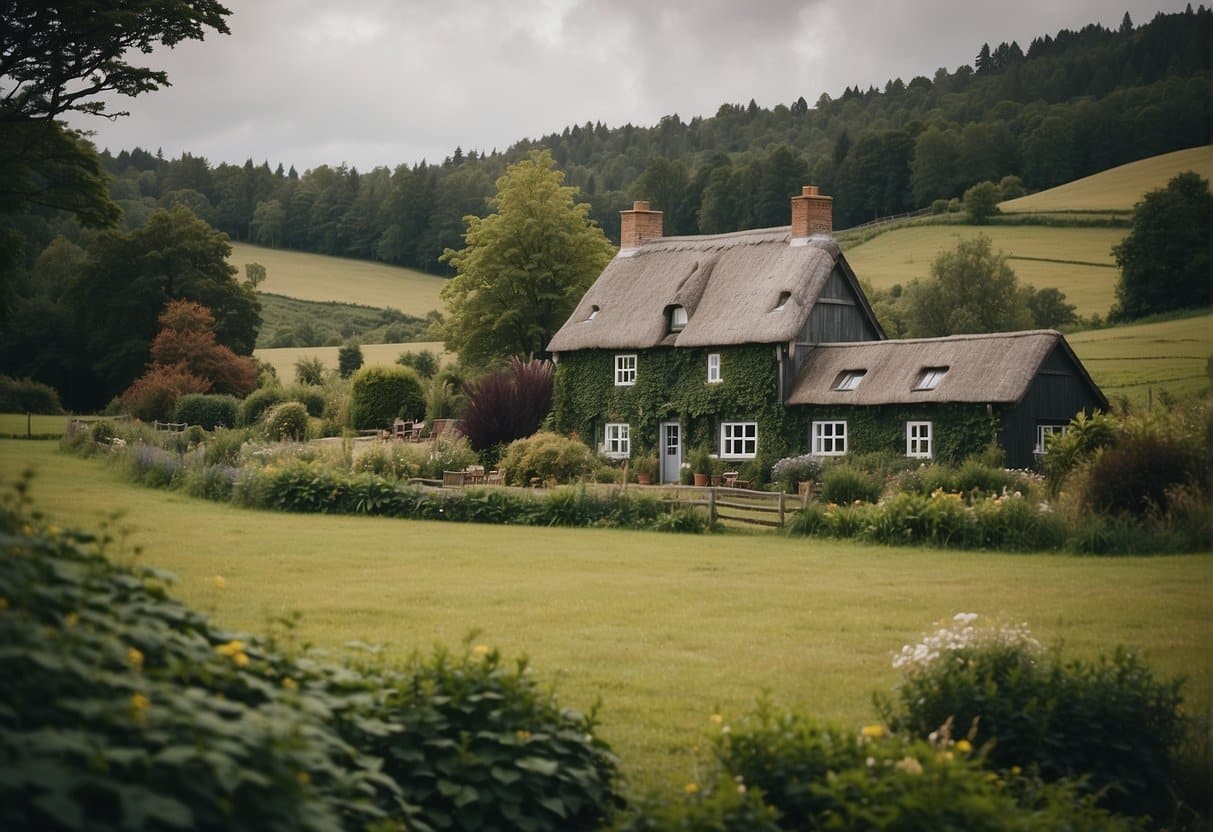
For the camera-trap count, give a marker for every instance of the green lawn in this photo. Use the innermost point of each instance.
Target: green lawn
(284, 358)
(665, 629)
(1117, 189)
(1078, 261)
(297, 274)
(1133, 360)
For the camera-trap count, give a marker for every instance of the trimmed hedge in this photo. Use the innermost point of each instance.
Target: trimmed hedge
(210, 411)
(379, 394)
(23, 395)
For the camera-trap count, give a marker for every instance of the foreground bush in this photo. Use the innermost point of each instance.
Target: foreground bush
(1109, 723)
(379, 394)
(122, 709)
(844, 484)
(507, 404)
(286, 422)
(208, 411)
(549, 457)
(254, 405)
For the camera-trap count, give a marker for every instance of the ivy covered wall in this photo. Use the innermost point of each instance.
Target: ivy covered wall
(957, 430)
(672, 384)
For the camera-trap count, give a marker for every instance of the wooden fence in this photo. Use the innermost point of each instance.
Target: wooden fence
(739, 505)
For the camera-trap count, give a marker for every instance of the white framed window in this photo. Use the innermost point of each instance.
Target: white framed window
(1043, 432)
(714, 367)
(678, 319)
(849, 379)
(739, 440)
(918, 440)
(618, 440)
(829, 438)
(625, 370)
(930, 377)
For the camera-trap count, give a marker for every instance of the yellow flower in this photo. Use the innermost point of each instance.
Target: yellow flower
(964, 746)
(1016, 770)
(289, 683)
(220, 582)
(691, 788)
(304, 778)
(231, 648)
(139, 706)
(135, 658)
(53, 531)
(522, 736)
(909, 765)
(241, 660)
(480, 650)
(872, 731)
(71, 619)
(716, 719)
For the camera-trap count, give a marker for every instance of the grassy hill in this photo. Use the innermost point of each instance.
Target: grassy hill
(1162, 358)
(283, 359)
(1115, 190)
(316, 277)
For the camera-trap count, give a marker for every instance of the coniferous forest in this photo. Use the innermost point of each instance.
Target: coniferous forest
(1065, 106)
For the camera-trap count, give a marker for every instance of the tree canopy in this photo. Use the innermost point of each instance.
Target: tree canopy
(1164, 261)
(971, 289)
(523, 268)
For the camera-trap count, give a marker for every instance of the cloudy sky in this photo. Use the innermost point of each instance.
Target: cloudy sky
(383, 82)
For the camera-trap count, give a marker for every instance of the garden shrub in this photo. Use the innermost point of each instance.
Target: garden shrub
(210, 411)
(507, 404)
(1134, 476)
(153, 396)
(23, 395)
(1110, 722)
(312, 398)
(552, 458)
(223, 447)
(152, 466)
(286, 422)
(210, 482)
(379, 394)
(256, 403)
(1084, 437)
(844, 484)
(123, 709)
(790, 471)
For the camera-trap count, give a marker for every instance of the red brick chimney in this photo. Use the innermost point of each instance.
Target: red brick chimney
(812, 214)
(638, 226)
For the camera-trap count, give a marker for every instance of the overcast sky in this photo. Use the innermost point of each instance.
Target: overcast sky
(383, 82)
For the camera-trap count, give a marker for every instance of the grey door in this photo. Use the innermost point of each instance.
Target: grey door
(671, 451)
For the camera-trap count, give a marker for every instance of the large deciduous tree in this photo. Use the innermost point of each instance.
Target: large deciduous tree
(523, 268)
(1164, 261)
(971, 289)
(130, 277)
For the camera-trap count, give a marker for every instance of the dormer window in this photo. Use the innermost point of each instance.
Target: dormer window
(849, 379)
(930, 378)
(784, 297)
(593, 313)
(678, 318)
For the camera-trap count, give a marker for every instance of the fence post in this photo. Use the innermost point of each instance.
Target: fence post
(781, 508)
(712, 504)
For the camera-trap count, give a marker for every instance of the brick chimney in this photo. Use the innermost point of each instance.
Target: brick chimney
(812, 214)
(638, 226)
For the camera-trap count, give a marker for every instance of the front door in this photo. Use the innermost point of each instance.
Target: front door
(671, 452)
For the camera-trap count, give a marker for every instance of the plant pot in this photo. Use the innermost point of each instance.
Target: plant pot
(805, 489)
(700, 479)
(644, 479)
(717, 481)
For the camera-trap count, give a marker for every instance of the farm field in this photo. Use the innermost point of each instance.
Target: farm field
(284, 358)
(1078, 261)
(1132, 360)
(298, 274)
(1116, 189)
(665, 629)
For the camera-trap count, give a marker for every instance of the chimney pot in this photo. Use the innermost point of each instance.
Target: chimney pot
(638, 226)
(812, 214)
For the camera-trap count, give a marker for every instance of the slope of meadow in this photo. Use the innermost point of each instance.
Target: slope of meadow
(283, 358)
(1117, 189)
(296, 274)
(1149, 360)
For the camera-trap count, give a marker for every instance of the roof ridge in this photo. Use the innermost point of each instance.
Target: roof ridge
(966, 336)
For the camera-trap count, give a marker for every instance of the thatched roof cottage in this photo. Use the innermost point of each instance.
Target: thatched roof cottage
(761, 344)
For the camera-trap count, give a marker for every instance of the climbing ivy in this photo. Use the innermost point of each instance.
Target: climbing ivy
(957, 430)
(672, 384)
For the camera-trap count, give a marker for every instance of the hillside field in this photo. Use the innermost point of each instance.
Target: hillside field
(1078, 261)
(665, 629)
(283, 358)
(1115, 190)
(316, 277)
(1135, 360)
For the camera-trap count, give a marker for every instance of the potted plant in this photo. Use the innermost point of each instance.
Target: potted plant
(646, 469)
(701, 465)
(717, 473)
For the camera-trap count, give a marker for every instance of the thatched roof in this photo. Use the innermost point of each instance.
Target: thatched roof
(995, 368)
(729, 285)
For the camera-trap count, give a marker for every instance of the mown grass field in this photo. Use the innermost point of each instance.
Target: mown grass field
(664, 629)
(1132, 361)
(1078, 261)
(284, 358)
(1114, 190)
(297, 274)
